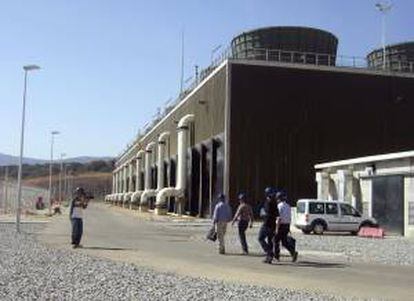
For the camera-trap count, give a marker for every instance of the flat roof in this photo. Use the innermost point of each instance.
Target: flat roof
(367, 159)
(339, 69)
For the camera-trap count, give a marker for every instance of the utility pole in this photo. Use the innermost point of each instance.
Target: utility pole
(5, 189)
(53, 133)
(60, 176)
(182, 63)
(384, 8)
(26, 69)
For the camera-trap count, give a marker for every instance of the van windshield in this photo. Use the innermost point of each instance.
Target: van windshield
(301, 207)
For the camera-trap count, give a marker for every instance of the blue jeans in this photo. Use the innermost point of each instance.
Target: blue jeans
(77, 230)
(266, 239)
(281, 236)
(242, 234)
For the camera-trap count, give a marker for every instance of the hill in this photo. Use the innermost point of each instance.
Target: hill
(8, 160)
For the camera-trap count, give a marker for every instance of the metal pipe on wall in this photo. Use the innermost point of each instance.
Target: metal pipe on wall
(162, 139)
(179, 190)
(148, 160)
(135, 198)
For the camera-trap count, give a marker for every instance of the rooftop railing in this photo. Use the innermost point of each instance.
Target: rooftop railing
(275, 55)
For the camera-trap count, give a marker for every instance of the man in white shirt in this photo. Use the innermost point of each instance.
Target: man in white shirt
(283, 228)
(79, 203)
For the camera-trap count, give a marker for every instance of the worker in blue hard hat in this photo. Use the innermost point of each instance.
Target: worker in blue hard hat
(244, 217)
(268, 213)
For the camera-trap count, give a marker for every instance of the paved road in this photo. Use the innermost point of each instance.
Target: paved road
(127, 236)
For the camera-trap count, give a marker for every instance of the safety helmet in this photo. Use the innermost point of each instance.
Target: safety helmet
(79, 191)
(241, 196)
(221, 197)
(269, 191)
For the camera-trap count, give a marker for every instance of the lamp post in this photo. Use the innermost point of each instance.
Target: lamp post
(53, 134)
(384, 8)
(26, 69)
(62, 155)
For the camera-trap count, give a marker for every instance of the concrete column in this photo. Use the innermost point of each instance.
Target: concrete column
(131, 172)
(125, 178)
(138, 173)
(117, 181)
(322, 180)
(333, 187)
(113, 182)
(345, 186)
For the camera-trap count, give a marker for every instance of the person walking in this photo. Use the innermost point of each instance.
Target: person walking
(268, 212)
(221, 216)
(78, 204)
(244, 216)
(283, 227)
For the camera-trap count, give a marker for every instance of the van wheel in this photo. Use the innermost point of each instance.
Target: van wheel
(318, 228)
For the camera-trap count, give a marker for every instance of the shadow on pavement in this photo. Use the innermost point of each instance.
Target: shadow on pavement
(249, 255)
(315, 264)
(106, 248)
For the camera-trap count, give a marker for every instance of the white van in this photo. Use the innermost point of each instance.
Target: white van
(318, 216)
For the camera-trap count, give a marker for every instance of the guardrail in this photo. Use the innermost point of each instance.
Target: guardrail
(30, 195)
(276, 55)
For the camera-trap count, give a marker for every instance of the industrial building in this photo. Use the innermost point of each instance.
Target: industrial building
(276, 106)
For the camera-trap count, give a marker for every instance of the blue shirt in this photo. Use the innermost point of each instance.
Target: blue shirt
(222, 212)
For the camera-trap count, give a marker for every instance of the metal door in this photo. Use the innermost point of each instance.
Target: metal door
(388, 203)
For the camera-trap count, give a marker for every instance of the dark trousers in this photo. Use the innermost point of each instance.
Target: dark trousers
(266, 235)
(281, 236)
(242, 234)
(77, 230)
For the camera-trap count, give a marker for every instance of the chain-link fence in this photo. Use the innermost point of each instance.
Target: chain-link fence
(30, 196)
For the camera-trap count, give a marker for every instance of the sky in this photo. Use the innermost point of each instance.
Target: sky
(107, 65)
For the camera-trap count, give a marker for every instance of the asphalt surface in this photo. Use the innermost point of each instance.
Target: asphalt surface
(122, 235)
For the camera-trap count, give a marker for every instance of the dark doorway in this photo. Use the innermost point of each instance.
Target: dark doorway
(194, 191)
(172, 182)
(204, 198)
(388, 203)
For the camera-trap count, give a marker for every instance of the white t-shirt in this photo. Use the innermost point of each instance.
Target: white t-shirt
(77, 212)
(285, 214)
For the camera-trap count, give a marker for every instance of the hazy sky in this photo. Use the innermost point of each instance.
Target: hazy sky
(107, 65)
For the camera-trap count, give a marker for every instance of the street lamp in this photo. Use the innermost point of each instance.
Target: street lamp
(62, 155)
(53, 134)
(26, 69)
(384, 8)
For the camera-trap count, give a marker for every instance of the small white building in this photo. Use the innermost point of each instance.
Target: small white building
(381, 186)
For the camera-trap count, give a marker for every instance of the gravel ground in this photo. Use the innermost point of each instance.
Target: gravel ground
(31, 271)
(392, 250)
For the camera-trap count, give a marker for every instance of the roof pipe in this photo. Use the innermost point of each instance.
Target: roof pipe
(179, 190)
(136, 196)
(128, 194)
(143, 206)
(118, 195)
(162, 140)
(124, 183)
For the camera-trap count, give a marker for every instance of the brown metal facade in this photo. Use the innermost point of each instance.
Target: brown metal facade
(285, 120)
